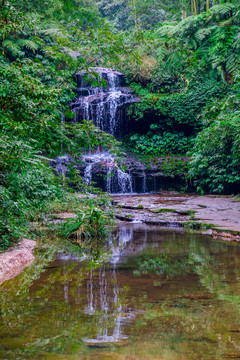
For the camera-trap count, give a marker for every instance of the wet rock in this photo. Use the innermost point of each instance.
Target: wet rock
(185, 206)
(61, 164)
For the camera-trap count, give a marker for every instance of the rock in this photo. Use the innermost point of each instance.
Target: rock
(15, 260)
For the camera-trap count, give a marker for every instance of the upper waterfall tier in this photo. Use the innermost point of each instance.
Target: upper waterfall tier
(104, 105)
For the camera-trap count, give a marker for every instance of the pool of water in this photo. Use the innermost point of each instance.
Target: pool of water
(159, 294)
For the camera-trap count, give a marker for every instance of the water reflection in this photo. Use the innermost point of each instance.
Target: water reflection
(160, 295)
(103, 293)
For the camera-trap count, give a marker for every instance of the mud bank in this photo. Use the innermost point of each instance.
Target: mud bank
(15, 260)
(174, 209)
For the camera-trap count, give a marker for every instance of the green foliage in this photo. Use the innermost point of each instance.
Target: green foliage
(163, 210)
(167, 143)
(215, 162)
(192, 88)
(27, 185)
(89, 226)
(175, 166)
(86, 136)
(213, 36)
(43, 44)
(163, 265)
(179, 110)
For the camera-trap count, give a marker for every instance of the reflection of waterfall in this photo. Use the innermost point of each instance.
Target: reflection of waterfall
(116, 180)
(103, 300)
(125, 236)
(103, 294)
(89, 308)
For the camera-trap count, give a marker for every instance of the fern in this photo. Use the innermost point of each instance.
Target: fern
(15, 46)
(11, 46)
(29, 44)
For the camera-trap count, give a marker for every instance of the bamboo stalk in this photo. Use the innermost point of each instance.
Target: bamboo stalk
(195, 6)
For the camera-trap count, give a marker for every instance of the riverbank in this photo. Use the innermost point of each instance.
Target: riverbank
(169, 208)
(219, 216)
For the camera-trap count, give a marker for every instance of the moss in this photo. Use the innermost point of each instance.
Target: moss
(164, 210)
(197, 225)
(186, 212)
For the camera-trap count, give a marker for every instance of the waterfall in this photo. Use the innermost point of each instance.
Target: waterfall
(144, 185)
(115, 180)
(88, 174)
(124, 182)
(105, 106)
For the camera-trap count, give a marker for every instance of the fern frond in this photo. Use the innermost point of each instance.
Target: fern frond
(233, 64)
(236, 43)
(165, 30)
(203, 33)
(11, 46)
(222, 9)
(29, 44)
(161, 52)
(52, 32)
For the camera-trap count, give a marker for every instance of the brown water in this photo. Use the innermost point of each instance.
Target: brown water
(161, 294)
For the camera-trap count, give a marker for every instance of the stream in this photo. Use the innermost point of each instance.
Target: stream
(158, 294)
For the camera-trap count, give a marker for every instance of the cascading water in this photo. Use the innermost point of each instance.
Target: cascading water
(105, 106)
(113, 179)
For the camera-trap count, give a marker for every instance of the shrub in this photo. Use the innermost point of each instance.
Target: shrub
(215, 162)
(157, 144)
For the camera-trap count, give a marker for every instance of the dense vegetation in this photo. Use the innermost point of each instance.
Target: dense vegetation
(189, 86)
(182, 60)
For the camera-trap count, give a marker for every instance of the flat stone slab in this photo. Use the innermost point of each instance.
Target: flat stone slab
(221, 211)
(15, 260)
(66, 215)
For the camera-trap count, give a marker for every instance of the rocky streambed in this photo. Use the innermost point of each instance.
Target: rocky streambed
(220, 214)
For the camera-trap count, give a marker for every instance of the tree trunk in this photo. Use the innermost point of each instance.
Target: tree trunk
(195, 6)
(192, 10)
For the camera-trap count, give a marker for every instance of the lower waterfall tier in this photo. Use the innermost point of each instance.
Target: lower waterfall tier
(118, 175)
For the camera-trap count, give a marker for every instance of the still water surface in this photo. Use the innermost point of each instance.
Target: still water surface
(160, 294)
